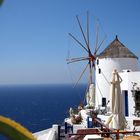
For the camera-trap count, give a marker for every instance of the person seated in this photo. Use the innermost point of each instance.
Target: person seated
(75, 118)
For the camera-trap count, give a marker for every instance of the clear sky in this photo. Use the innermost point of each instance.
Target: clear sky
(34, 35)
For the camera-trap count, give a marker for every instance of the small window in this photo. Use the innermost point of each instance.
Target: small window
(99, 71)
(97, 61)
(103, 102)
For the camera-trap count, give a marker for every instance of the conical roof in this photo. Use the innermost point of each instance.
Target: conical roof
(117, 50)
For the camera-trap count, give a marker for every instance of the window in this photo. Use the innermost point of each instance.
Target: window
(103, 102)
(97, 61)
(99, 70)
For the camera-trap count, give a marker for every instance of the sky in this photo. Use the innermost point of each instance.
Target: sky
(34, 39)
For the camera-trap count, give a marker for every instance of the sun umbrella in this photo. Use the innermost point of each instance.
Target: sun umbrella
(117, 119)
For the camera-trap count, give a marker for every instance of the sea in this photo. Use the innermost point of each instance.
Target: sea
(38, 107)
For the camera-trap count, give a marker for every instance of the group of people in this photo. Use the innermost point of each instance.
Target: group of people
(77, 116)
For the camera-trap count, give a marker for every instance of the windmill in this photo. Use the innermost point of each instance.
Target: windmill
(91, 56)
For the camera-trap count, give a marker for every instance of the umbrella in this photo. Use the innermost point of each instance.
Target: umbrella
(117, 119)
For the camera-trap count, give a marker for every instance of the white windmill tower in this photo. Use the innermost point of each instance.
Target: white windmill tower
(115, 56)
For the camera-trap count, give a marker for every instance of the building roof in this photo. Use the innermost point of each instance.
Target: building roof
(117, 50)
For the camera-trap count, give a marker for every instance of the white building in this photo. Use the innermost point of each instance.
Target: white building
(130, 87)
(117, 56)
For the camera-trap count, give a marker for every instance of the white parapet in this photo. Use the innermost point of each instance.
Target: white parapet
(93, 137)
(49, 134)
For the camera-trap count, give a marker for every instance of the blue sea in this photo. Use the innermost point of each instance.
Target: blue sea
(37, 107)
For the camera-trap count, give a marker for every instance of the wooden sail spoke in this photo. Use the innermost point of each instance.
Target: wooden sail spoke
(81, 74)
(91, 57)
(96, 43)
(72, 60)
(83, 34)
(100, 44)
(93, 65)
(78, 42)
(88, 28)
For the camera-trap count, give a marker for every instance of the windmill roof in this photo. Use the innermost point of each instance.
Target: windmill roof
(117, 50)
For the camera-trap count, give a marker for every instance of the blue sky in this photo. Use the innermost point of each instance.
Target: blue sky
(34, 35)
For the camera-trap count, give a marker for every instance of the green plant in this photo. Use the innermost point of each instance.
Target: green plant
(1, 2)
